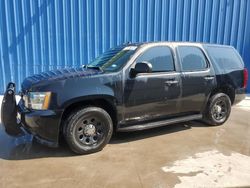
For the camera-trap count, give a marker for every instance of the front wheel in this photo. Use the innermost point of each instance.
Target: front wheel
(88, 130)
(218, 109)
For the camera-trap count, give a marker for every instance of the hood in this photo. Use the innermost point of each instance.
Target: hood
(55, 75)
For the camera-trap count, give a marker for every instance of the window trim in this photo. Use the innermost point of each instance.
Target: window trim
(192, 71)
(157, 72)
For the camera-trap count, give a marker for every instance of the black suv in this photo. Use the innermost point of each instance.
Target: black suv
(130, 87)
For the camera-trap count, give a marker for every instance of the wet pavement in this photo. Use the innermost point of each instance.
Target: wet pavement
(183, 155)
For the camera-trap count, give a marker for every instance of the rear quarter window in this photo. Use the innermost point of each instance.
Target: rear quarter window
(225, 58)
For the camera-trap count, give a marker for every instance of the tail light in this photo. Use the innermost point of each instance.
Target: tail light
(245, 78)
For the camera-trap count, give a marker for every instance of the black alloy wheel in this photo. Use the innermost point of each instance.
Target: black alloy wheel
(88, 130)
(218, 109)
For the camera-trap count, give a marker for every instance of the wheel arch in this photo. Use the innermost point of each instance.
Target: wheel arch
(108, 103)
(226, 89)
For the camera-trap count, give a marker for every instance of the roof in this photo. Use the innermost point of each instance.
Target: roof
(175, 43)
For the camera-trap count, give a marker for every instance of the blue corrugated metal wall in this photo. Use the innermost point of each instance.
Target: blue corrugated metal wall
(40, 35)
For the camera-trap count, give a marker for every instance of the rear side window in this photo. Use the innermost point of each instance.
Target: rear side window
(192, 58)
(160, 57)
(225, 58)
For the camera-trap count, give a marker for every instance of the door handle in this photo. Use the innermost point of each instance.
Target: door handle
(171, 82)
(209, 77)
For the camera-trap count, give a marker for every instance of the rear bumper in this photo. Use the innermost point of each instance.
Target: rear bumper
(43, 124)
(240, 95)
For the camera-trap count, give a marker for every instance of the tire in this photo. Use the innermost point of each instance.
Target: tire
(218, 109)
(88, 130)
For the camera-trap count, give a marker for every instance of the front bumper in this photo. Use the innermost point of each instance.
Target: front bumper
(43, 124)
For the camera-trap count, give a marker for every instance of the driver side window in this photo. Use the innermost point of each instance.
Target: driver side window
(160, 57)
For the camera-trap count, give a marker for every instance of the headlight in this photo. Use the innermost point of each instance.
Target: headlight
(37, 100)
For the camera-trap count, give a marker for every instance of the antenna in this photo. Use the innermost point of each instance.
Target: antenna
(128, 42)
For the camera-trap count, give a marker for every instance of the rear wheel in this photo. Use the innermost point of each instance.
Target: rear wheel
(218, 109)
(88, 130)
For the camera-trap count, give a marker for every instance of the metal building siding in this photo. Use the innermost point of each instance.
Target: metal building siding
(41, 35)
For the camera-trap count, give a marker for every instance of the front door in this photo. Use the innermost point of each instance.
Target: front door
(152, 95)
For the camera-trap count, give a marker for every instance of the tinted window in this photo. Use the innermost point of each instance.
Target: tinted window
(160, 57)
(225, 57)
(192, 58)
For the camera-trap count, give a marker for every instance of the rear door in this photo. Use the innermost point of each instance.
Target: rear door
(197, 78)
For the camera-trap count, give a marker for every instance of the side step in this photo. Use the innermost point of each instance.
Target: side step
(159, 123)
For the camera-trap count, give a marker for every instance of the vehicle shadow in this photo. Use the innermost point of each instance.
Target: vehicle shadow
(122, 137)
(24, 148)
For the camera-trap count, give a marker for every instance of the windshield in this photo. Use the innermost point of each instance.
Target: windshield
(113, 59)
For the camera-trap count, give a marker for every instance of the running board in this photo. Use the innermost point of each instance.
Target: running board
(159, 123)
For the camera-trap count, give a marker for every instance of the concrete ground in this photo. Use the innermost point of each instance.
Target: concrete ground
(181, 155)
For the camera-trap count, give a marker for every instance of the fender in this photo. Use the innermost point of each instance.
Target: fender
(108, 98)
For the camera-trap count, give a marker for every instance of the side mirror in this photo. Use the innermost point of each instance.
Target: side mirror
(141, 67)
